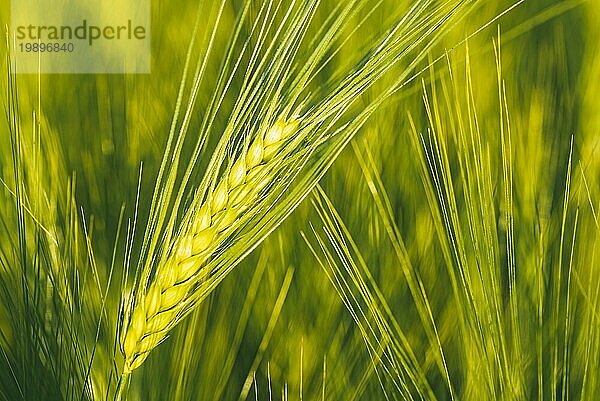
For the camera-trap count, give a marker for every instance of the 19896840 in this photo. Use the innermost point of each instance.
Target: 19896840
(66, 47)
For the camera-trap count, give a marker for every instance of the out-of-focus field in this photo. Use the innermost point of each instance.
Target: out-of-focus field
(450, 252)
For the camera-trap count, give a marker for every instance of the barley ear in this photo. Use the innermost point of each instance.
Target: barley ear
(159, 307)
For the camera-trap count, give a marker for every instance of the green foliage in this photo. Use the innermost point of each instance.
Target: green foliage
(429, 233)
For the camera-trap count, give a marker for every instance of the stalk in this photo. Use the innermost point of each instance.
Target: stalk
(122, 385)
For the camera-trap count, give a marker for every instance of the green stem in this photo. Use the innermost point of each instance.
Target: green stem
(122, 387)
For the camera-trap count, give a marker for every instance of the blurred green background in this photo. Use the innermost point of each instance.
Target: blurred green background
(453, 241)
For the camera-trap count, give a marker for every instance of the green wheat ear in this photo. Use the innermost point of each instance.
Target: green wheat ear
(159, 308)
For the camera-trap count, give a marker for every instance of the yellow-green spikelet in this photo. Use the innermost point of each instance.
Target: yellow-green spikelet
(155, 312)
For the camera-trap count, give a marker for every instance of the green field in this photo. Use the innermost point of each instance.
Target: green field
(309, 200)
